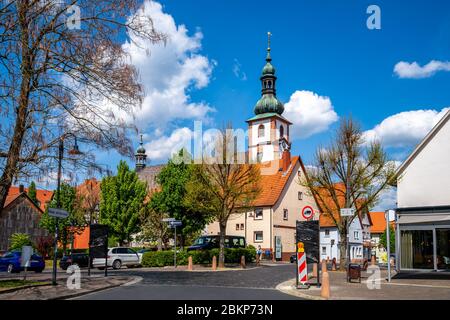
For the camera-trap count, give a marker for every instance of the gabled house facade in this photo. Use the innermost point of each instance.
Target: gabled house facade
(22, 215)
(423, 203)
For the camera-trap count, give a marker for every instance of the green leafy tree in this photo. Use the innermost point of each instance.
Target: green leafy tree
(122, 202)
(173, 179)
(69, 226)
(32, 192)
(18, 240)
(383, 239)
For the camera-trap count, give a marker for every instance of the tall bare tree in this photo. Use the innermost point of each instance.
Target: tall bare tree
(350, 173)
(63, 69)
(221, 186)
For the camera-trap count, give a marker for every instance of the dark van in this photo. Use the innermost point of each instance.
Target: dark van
(211, 242)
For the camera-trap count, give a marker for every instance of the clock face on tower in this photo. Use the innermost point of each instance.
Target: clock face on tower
(284, 145)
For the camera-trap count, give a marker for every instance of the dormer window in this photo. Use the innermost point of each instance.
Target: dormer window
(261, 131)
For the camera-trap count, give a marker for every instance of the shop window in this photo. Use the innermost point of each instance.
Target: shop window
(285, 214)
(258, 236)
(258, 214)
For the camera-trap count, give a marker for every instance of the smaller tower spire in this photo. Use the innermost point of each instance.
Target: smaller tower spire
(141, 156)
(268, 58)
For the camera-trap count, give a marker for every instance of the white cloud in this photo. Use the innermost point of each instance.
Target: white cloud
(237, 70)
(168, 72)
(388, 200)
(162, 148)
(309, 113)
(405, 129)
(415, 71)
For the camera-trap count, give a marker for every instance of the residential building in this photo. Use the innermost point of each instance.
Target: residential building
(330, 238)
(423, 203)
(21, 215)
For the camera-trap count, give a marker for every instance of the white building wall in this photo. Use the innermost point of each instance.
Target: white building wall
(426, 180)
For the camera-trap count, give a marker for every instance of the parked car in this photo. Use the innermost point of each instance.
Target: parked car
(118, 257)
(10, 262)
(211, 242)
(79, 259)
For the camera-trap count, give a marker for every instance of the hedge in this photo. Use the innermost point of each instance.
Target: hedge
(165, 258)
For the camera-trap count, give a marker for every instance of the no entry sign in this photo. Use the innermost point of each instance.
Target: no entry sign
(308, 213)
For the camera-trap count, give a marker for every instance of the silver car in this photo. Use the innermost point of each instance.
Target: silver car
(118, 257)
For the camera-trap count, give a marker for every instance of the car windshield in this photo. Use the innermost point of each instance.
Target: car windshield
(202, 240)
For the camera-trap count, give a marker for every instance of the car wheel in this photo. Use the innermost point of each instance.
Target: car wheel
(10, 268)
(117, 264)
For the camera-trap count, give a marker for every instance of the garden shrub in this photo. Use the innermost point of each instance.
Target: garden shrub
(165, 258)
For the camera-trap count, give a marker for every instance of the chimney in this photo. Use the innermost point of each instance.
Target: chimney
(21, 188)
(286, 160)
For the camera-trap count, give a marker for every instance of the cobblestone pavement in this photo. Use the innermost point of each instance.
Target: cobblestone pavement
(403, 287)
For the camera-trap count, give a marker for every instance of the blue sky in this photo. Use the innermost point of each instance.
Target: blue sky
(321, 49)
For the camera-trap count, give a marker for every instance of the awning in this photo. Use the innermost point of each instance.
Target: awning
(423, 218)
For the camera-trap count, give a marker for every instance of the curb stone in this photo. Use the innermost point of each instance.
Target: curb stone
(79, 294)
(23, 287)
(287, 288)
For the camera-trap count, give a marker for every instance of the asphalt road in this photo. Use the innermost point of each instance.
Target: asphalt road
(252, 284)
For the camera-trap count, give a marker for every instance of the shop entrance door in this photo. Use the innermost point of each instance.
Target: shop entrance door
(443, 249)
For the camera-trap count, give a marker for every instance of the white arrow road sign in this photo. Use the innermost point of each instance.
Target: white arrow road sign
(347, 212)
(57, 213)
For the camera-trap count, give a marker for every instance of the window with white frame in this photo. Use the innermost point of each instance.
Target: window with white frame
(258, 214)
(261, 131)
(258, 236)
(324, 250)
(259, 157)
(242, 226)
(285, 214)
(237, 226)
(327, 233)
(356, 235)
(300, 195)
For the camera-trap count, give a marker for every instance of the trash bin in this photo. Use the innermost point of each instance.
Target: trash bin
(354, 272)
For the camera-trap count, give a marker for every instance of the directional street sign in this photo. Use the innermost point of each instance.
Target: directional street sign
(347, 212)
(175, 223)
(57, 213)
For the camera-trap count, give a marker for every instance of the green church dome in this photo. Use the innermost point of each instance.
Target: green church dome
(269, 104)
(268, 69)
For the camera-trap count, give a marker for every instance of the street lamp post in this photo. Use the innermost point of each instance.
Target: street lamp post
(74, 151)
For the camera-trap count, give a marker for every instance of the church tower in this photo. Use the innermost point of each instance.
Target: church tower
(268, 129)
(140, 156)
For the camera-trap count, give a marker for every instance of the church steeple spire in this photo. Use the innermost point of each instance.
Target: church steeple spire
(141, 156)
(268, 102)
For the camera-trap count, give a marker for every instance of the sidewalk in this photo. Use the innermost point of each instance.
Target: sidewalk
(61, 291)
(398, 289)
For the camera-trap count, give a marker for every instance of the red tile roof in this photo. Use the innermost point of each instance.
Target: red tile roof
(378, 224)
(43, 196)
(273, 185)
